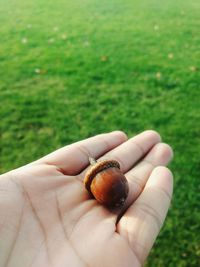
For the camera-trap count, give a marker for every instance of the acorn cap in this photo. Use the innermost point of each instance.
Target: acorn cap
(96, 168)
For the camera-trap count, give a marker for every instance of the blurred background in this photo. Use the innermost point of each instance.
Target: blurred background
(73, 69)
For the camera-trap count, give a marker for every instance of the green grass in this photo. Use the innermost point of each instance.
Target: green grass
(106, 65)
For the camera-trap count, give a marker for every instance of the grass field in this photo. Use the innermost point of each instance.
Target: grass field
(72, 69)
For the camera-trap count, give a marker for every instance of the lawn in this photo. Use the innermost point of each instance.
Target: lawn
(72, 69)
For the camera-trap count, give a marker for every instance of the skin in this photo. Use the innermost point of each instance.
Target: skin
(47, 218)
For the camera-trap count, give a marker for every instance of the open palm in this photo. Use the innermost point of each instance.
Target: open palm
(47, 218)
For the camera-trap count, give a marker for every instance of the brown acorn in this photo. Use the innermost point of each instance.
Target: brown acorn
(107, 184)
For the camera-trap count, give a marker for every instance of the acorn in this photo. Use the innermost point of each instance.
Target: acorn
(106, 182)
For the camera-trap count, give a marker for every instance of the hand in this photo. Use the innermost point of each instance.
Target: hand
(47, 218)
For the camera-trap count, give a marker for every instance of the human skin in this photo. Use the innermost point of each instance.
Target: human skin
(48, 219)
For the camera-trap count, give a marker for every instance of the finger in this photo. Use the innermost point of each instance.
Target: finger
(134, 149)
(141, 223)
(73, 158)
(128, 153)
(160, 155)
